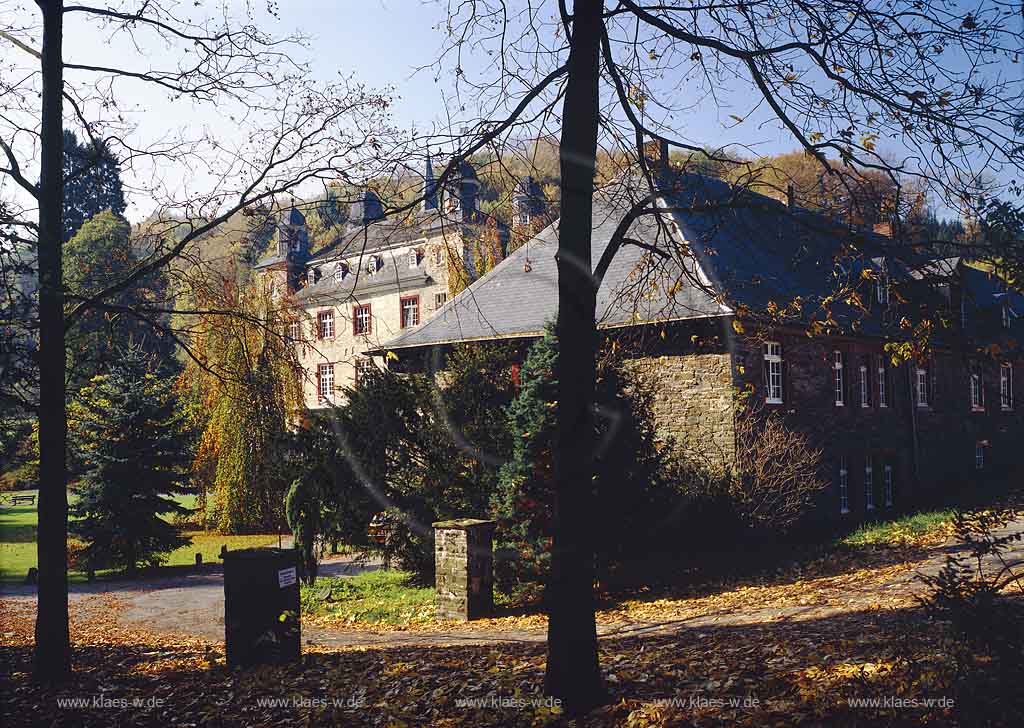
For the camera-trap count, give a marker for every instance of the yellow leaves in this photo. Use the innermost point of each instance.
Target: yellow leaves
(391, 356)
(737, 326)
(737, 119)
(637, 97)
(789, 78)
(868, 141)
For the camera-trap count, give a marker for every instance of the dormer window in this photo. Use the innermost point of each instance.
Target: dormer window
(341, 272)
(524, 217)
(311, 276)
(415, 258)
(375, 264)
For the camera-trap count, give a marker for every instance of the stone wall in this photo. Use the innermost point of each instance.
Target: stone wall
(693, 402)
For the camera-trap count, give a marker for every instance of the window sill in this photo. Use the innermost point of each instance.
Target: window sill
(1006, 409)
(773, 401)
(869, 508)
(844, 511)
(977, 409)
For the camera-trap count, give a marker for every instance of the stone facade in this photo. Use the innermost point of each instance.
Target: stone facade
(464, 568)
(905, 446)
(399, 281)
(693, 402)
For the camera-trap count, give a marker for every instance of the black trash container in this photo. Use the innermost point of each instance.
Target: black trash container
(261, 606)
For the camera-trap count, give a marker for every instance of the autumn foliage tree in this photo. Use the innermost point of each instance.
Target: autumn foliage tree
(242, 386)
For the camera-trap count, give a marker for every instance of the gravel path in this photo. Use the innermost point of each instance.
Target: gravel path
(192, 604)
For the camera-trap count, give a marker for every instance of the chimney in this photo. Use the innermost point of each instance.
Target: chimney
(791, 196)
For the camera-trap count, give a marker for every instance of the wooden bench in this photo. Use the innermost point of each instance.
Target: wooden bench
(16, 499)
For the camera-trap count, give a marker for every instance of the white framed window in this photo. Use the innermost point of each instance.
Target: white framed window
(415, 257)
(294, 331)
(1006, 386)
(325, 324)
(410, 311)
(869, 485)
(340, 272)
(887, 485)
(325, 382)
(362, 320)
(364, 365)
(977, 394)
(440, 299)
(439, 255)
(838, 378)
(844, 486)
(524, 217)
(979, 456)
(374, 264)
(773, 372)
(1006, 316)
(882, 288)
(883, 381)
(923, 387)
(865, 391)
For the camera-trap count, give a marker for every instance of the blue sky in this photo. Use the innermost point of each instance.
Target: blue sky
(381, 43)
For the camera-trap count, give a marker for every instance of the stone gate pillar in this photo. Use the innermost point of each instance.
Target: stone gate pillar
(463, 562)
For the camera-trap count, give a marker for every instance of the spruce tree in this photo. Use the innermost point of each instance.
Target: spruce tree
(129, 434)
(523, 498)
(92, 182)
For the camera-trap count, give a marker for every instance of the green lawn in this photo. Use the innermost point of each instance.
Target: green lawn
(373, 597)
(906, 530)
(18, 541)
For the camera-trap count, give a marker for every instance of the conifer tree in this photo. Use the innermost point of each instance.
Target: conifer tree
(129, 433)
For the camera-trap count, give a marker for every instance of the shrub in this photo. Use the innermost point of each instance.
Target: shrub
(776, 474)
(975, 601)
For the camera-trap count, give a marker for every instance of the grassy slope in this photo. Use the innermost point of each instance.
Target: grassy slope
(18, 541)
(374, 597)
(908, 529)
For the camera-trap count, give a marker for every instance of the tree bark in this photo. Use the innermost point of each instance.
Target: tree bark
(53, 647)
(573, 673)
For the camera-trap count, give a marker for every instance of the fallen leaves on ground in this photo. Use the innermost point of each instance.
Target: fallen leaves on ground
(763, 674)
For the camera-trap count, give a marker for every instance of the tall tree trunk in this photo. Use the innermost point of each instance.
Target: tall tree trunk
(53, 647)
(573, 673)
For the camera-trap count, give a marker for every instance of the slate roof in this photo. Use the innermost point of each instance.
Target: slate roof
(380, 234)
(519, 296)
(746, 248)
(394, 276)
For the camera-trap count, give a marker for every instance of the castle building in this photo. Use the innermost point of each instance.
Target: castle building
(382, 275)
(889, 431)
